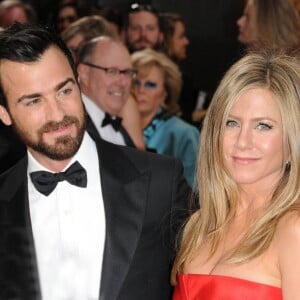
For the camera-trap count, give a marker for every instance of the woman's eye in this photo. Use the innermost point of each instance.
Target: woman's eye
(264, 126)
(231, 123)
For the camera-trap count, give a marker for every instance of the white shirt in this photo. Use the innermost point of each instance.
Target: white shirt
(97, 115)
(69, 231)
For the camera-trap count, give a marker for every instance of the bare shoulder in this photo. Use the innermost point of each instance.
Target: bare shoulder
(287, 242)
(289, 225)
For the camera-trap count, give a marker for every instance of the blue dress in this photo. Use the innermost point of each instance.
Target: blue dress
(176, 138)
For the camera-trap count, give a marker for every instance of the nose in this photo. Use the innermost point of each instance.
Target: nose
(55, 110)
(143, 32)
(244, 138)
(240, 21)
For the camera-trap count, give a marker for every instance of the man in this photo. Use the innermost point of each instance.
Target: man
(142, 28)
(77, 217)
(106, 73)
(16, 11)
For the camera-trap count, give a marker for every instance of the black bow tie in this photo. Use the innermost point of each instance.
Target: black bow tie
(114, 122)
(45, 182)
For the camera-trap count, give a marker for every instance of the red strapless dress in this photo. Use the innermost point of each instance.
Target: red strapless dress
(217, 287)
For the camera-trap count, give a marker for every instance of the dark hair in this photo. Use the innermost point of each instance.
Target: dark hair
(27, 43)
(168, 22)
(136, 7)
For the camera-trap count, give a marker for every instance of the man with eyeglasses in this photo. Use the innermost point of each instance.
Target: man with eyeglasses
(142, 28)
(106, 73)
(79, 218)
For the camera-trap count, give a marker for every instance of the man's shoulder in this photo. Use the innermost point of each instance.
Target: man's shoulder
(139, 158)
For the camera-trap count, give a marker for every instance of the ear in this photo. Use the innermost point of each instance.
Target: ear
(4, 116)
(83, 76)
(161, 37)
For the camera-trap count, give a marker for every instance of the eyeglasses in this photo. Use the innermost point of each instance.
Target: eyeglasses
(148, 85)
(114, 72)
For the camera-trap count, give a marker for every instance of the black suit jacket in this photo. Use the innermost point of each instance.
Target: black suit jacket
(11, 148)
(145, 200)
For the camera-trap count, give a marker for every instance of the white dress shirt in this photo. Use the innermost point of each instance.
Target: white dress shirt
(97, 115)
(69, 231)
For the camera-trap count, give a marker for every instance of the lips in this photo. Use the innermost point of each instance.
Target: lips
(244, 160)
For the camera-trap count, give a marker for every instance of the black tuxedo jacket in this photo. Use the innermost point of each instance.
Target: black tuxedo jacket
(92, 130)
(11, 148)
(145, 200)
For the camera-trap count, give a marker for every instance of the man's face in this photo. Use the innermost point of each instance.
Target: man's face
(143, 31)
(108, 91)
(44, 105)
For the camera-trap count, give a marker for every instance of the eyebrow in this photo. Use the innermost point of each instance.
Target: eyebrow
(56, 88)
(255, 119)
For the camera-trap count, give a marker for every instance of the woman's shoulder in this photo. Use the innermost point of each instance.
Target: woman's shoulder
(181, 125)
(287, 234)
(287, 243)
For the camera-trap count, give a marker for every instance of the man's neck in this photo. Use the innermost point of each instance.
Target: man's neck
(50, 164)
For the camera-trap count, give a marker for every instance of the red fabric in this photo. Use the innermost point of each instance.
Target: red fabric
(217, 287)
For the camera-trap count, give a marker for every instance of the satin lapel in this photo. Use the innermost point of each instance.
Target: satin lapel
(124, 191)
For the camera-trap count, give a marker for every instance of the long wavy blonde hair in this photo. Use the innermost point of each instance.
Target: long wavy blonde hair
(219, 194)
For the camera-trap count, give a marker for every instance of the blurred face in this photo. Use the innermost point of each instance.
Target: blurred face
(13, 14)
(254, 149)
(108, 91)
(246, 25)
(74, 44)
(143, 31)
(65, 17)
(149, 91)
(44, 106)
(179, 41)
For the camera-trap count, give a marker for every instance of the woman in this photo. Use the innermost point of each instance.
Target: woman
(175, 39)
(174, 46)
(274, 23)
(244, 242)
(156, 90)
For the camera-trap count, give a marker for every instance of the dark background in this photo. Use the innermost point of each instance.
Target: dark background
(211, 28)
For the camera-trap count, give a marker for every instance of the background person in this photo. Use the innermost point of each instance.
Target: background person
(12, 11)
(142, 28)
(106, 73)
(271, 23)
(244, 242)
(175, 46)
(156, 90)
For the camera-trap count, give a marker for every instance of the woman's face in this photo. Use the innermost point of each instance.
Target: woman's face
(254, 148)
(246, 25)
(179, 41)
(149, 90)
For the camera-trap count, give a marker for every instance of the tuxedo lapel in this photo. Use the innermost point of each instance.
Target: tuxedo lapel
(18, 259)
(124, 191)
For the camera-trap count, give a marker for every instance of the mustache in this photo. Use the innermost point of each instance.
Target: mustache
(142, 39)
(51, 126)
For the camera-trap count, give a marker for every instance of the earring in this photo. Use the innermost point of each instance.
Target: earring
(287, 166)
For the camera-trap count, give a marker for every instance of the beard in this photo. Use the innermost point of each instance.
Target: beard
(64, 147)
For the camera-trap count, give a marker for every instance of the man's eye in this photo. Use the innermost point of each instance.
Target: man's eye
(65, 92)
(33, 102)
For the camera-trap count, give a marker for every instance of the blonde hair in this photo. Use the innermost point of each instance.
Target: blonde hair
(89, 27)
(144, 60)
(219, 195)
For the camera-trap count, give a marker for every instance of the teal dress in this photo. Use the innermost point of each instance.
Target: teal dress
(174, 137)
